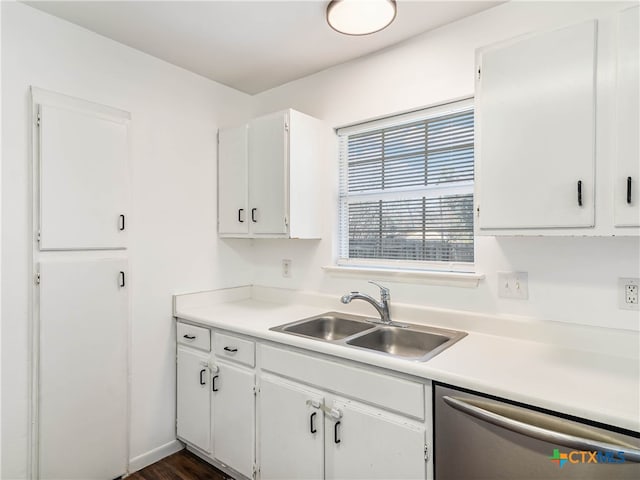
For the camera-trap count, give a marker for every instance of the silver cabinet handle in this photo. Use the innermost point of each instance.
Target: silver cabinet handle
(630, 453)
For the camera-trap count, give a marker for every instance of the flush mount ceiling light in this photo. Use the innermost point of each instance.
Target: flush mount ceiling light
(360, 17)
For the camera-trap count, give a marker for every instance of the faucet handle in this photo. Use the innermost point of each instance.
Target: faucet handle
(384, 291)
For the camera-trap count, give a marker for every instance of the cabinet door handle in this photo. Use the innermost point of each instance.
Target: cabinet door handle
(121, 284)
(579, 193)
(312, 423)
(121, 224)
(629, 190)
(213, 383)
(335, 433)
(253, 215)
(202, 381)
(240, 210)
(189, 337)
(230, 349)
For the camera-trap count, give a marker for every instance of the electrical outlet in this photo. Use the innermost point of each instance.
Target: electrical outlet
(628, 293)
(286, 268)
(513, 285)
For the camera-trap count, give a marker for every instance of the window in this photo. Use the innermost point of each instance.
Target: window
(406, 190)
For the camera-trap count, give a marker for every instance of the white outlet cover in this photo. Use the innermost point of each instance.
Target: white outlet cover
(513, 285)
(622, 293)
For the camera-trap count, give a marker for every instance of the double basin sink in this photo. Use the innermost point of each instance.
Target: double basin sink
(408, 341)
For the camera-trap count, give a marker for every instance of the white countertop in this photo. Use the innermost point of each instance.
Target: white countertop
(593, 385)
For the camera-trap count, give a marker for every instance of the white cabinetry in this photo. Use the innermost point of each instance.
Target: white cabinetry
(367, 442)
(80, 302)
(291, 430)
(626, 191)
(337, 421)
(83, 179)
(82, 389)
(193, 399)
(268, 177)
(234, 417)
(216, 396)
(536, 110)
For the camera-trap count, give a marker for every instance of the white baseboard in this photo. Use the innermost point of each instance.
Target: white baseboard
(152, 456)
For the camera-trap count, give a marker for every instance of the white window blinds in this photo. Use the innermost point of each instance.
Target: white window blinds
(406, 188)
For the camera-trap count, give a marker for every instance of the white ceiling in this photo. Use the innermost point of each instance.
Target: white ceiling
(249, 45)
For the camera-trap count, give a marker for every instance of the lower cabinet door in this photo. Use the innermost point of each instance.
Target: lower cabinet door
(234, 417)
(368, 443)
(82, 395)
(291, 431)
(193, 398)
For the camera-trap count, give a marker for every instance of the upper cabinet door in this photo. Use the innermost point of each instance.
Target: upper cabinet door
(536, 120)
(626, 189)
(233, 216)
(83, 173)
(268, 172)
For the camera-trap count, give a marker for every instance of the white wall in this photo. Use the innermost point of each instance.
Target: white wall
(173, 244)
(570, 279)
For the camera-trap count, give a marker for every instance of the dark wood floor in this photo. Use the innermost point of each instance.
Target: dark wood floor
(180, 466)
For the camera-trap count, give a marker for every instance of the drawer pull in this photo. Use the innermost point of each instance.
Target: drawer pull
(202, 381)
(213, 383)
(629, 190)
(230, 349)
(253, 215)
(121, 223)
(335, 433)
(240, 210)
(189, 337)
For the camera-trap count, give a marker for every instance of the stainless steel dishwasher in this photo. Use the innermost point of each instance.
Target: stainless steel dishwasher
(477, 437)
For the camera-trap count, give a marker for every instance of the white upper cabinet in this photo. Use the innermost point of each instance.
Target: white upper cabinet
(626, 194)
(83, 178)
(233, 170)
(269, 177)
(536, 118)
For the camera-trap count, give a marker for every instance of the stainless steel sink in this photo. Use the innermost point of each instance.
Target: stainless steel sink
(329, 326)
(411, 343)
(407, 341)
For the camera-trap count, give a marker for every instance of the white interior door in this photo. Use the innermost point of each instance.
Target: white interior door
(627, 177)
(193, 402)
(233, 178)
(83, 180)
(368, 443)
(234, 417)
(268, 150)
(290, 431)
(537, 131)
(83, 369)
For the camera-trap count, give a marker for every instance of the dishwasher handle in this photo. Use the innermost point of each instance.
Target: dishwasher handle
(539, 433)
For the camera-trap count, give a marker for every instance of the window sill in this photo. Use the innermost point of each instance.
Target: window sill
(451, 279)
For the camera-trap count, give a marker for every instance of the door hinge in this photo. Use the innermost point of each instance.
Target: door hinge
(37, 279)
(286, 126)
(256, 390)
(479, 72)
(286, 222)
(477, 211)
(426, 452)
(38, 236)
(38, 119)
(254, 471)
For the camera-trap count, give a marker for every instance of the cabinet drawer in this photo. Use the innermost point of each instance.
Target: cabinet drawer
(196, 337)
(234, 348)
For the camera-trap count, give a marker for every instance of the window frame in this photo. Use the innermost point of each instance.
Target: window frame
(437, 190)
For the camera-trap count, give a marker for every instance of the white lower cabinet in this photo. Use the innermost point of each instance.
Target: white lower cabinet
(193, 409)
(370, 443)
(291, 431)
(234, 417)
(309, 418)
(327, 423)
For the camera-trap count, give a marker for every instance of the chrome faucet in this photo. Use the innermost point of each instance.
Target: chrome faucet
(382, 306)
